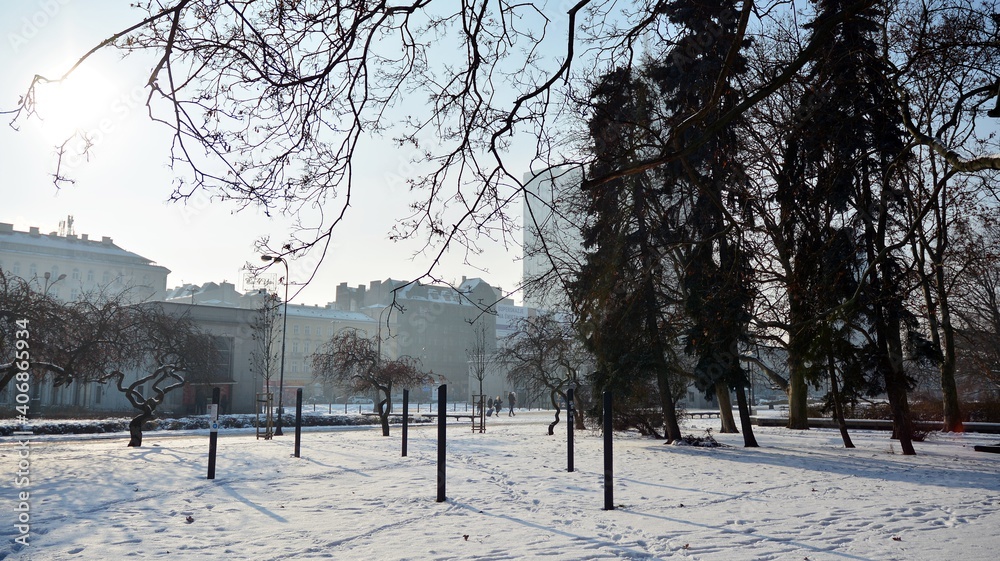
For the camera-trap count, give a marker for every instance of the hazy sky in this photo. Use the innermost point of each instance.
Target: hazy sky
(121, 191)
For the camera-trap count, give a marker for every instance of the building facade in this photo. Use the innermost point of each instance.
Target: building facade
(432, 323)
(68, 266)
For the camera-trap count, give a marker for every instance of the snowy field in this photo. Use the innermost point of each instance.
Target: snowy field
(351, 495)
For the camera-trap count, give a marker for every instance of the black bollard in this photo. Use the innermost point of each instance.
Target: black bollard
(406, 413)
(442, 437)
(569, 430)
(609, 492)
(298, 420)
(213, 434)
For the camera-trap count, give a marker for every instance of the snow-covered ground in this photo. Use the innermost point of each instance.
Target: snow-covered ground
(509, 496)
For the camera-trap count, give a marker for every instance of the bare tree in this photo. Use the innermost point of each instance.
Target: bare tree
(480, 356)
(101, 338)
(166, 350)
(268, 103)
(545, 355)
(353, 360)
(70, 342)
(265, 331)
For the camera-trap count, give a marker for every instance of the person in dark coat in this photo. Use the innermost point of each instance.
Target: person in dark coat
(511, 401)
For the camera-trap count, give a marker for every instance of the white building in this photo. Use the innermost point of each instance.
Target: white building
(68, 266)
(551, 235)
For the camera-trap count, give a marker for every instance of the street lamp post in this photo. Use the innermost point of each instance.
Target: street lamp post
(47, 276)
(284, 332)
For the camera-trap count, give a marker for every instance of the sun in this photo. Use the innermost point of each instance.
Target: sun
(74, 106)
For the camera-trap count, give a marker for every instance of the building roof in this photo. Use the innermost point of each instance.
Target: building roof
(324, 312)
(70, 247)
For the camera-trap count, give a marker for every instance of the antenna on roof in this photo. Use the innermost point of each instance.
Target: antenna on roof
(66, 227)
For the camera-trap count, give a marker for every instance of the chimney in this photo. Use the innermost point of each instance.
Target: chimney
(33, 231)
(85, 237)
(105, 240)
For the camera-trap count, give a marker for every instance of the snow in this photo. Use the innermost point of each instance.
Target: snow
(351, 495)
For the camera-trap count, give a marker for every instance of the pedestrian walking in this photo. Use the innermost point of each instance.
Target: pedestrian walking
(511, 401)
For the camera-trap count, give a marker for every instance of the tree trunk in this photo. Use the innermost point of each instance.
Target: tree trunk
(578, 419)
(135, 428)
(749, 441)
(725, 409)
(896, 389)
(949, 388)
(902, 425)
(552, 425)
(662, 374)
(383, 416)
(670, 425)
(798, 391)
(838, 407)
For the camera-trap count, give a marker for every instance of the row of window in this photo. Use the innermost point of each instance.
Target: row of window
(77, 394)
(75, 274)
(307, 331)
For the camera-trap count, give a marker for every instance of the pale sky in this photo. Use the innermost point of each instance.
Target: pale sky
(122, 191)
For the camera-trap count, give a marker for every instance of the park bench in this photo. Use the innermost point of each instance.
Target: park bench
(704, 414)
(471, 416)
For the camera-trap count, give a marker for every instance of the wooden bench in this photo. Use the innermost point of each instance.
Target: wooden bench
(373, 414)
(471, 416)
(704, 414)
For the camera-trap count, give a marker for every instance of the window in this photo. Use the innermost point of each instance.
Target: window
(295, 330)
(74, 294)
(33, 270)
(90, 276)
(76, 274)
(295, 347)
(306, 330)
(106, 278)
(17, 268)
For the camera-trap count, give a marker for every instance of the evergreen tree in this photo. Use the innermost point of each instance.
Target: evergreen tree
(843, 168)
(712, 185)
(619, 292)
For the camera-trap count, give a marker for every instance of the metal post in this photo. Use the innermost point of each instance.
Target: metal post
(406, 413)
(609, 492)
(298, 420)
(569, 429)
(442, 437)
(213, 434)
(281, 369)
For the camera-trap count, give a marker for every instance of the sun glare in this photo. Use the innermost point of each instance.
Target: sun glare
(75, 105)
